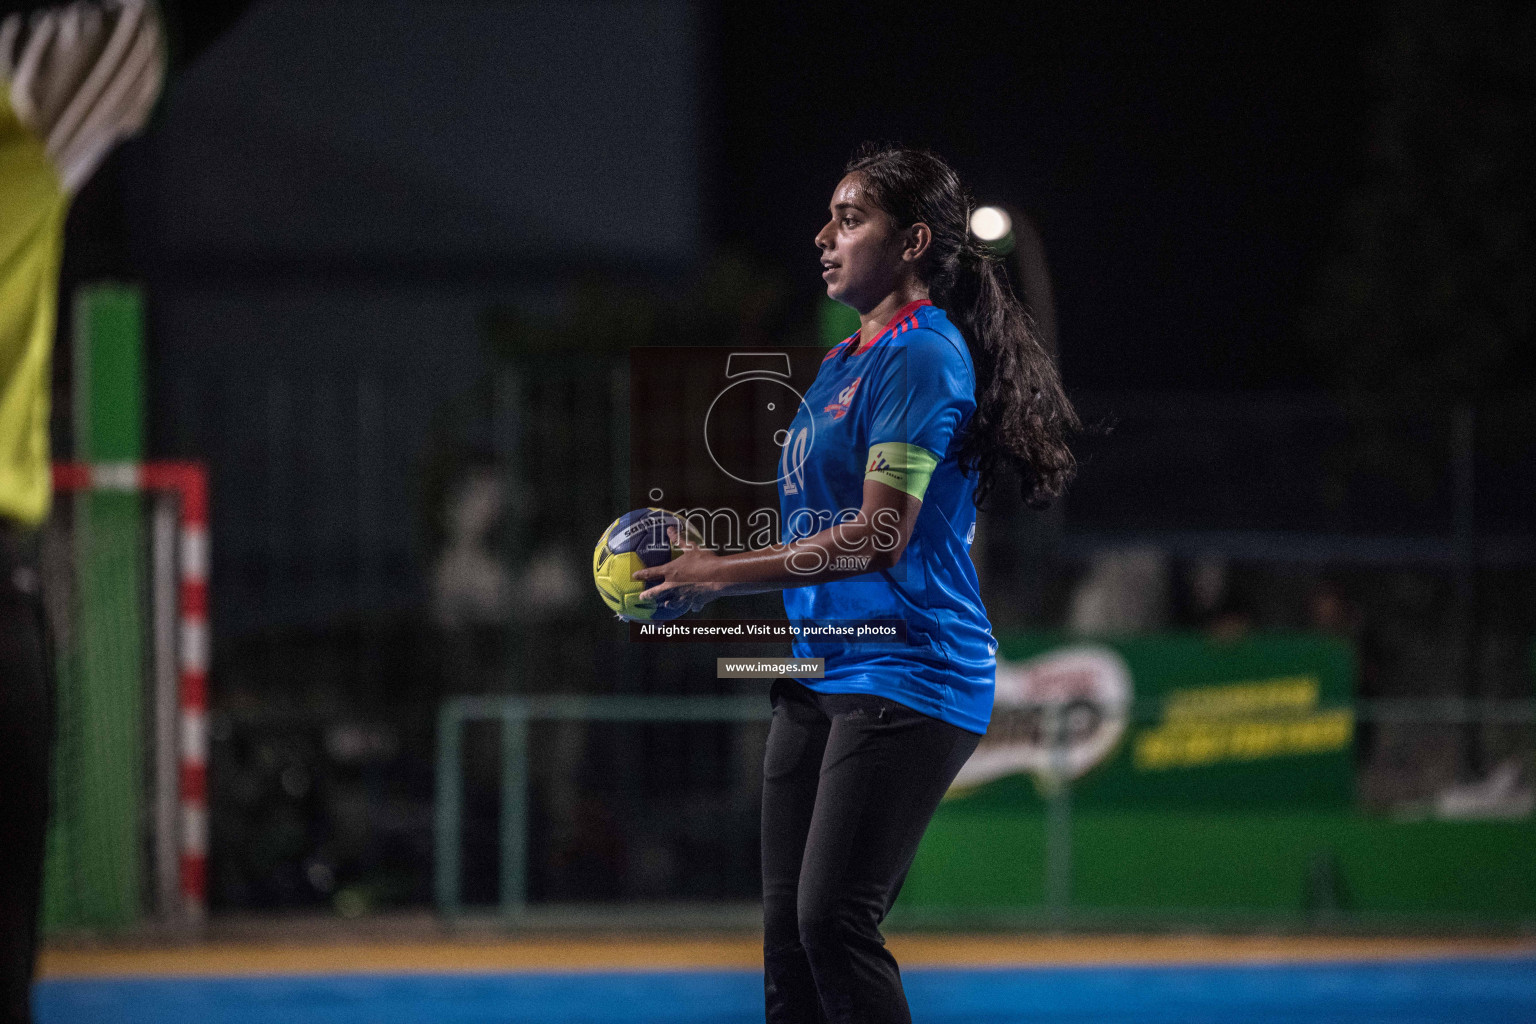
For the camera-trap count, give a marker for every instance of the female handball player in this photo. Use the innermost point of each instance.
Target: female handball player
(900, 437)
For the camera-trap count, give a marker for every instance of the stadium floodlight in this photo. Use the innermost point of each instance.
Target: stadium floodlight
(991, 223)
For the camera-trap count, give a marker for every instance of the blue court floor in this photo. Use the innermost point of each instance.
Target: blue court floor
(1484, 990)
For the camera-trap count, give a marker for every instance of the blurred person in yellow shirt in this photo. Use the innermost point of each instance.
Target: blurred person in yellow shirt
(74, 81)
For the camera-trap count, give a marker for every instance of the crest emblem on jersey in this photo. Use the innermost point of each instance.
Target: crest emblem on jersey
(839, 408)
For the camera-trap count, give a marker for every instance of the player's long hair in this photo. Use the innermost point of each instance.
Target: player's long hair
(1023, 418)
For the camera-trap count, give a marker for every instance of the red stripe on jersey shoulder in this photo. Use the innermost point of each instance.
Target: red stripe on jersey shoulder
(904, 320)
(839, 347)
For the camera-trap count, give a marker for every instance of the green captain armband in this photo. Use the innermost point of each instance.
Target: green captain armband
(905, 467)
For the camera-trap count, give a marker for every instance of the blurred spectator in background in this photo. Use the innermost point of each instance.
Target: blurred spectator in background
(1330, 610)
(471, 589)
(1211, 600)
(1124, 591)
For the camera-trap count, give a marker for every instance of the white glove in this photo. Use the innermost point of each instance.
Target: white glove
(82, 78)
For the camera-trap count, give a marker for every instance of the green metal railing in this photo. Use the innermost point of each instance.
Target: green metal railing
(515, 714)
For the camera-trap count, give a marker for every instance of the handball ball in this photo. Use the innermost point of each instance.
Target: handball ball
(633, 541)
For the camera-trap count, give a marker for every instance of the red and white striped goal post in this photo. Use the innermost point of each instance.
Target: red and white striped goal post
(188, 481)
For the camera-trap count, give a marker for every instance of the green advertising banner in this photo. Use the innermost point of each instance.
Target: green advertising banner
(1168, 720)
(1198, 782)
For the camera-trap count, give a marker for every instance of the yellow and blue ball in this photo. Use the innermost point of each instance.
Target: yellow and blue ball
(634, 541)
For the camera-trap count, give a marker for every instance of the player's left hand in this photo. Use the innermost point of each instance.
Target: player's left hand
(687, 577)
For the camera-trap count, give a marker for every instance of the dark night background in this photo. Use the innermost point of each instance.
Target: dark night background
(1285, 241)
(1192, 168)
(1186, 165)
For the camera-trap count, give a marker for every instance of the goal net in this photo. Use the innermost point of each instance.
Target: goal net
(124, 561)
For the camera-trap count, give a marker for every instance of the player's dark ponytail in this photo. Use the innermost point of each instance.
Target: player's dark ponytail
(1023, 417)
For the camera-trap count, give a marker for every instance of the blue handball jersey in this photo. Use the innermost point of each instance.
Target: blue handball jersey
(914, 385)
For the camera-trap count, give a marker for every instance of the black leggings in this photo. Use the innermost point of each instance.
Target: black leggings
(850, 782)
(26, 732)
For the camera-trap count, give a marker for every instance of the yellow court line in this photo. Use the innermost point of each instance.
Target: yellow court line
(592, 954)
(735, 952)
(957, 950)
